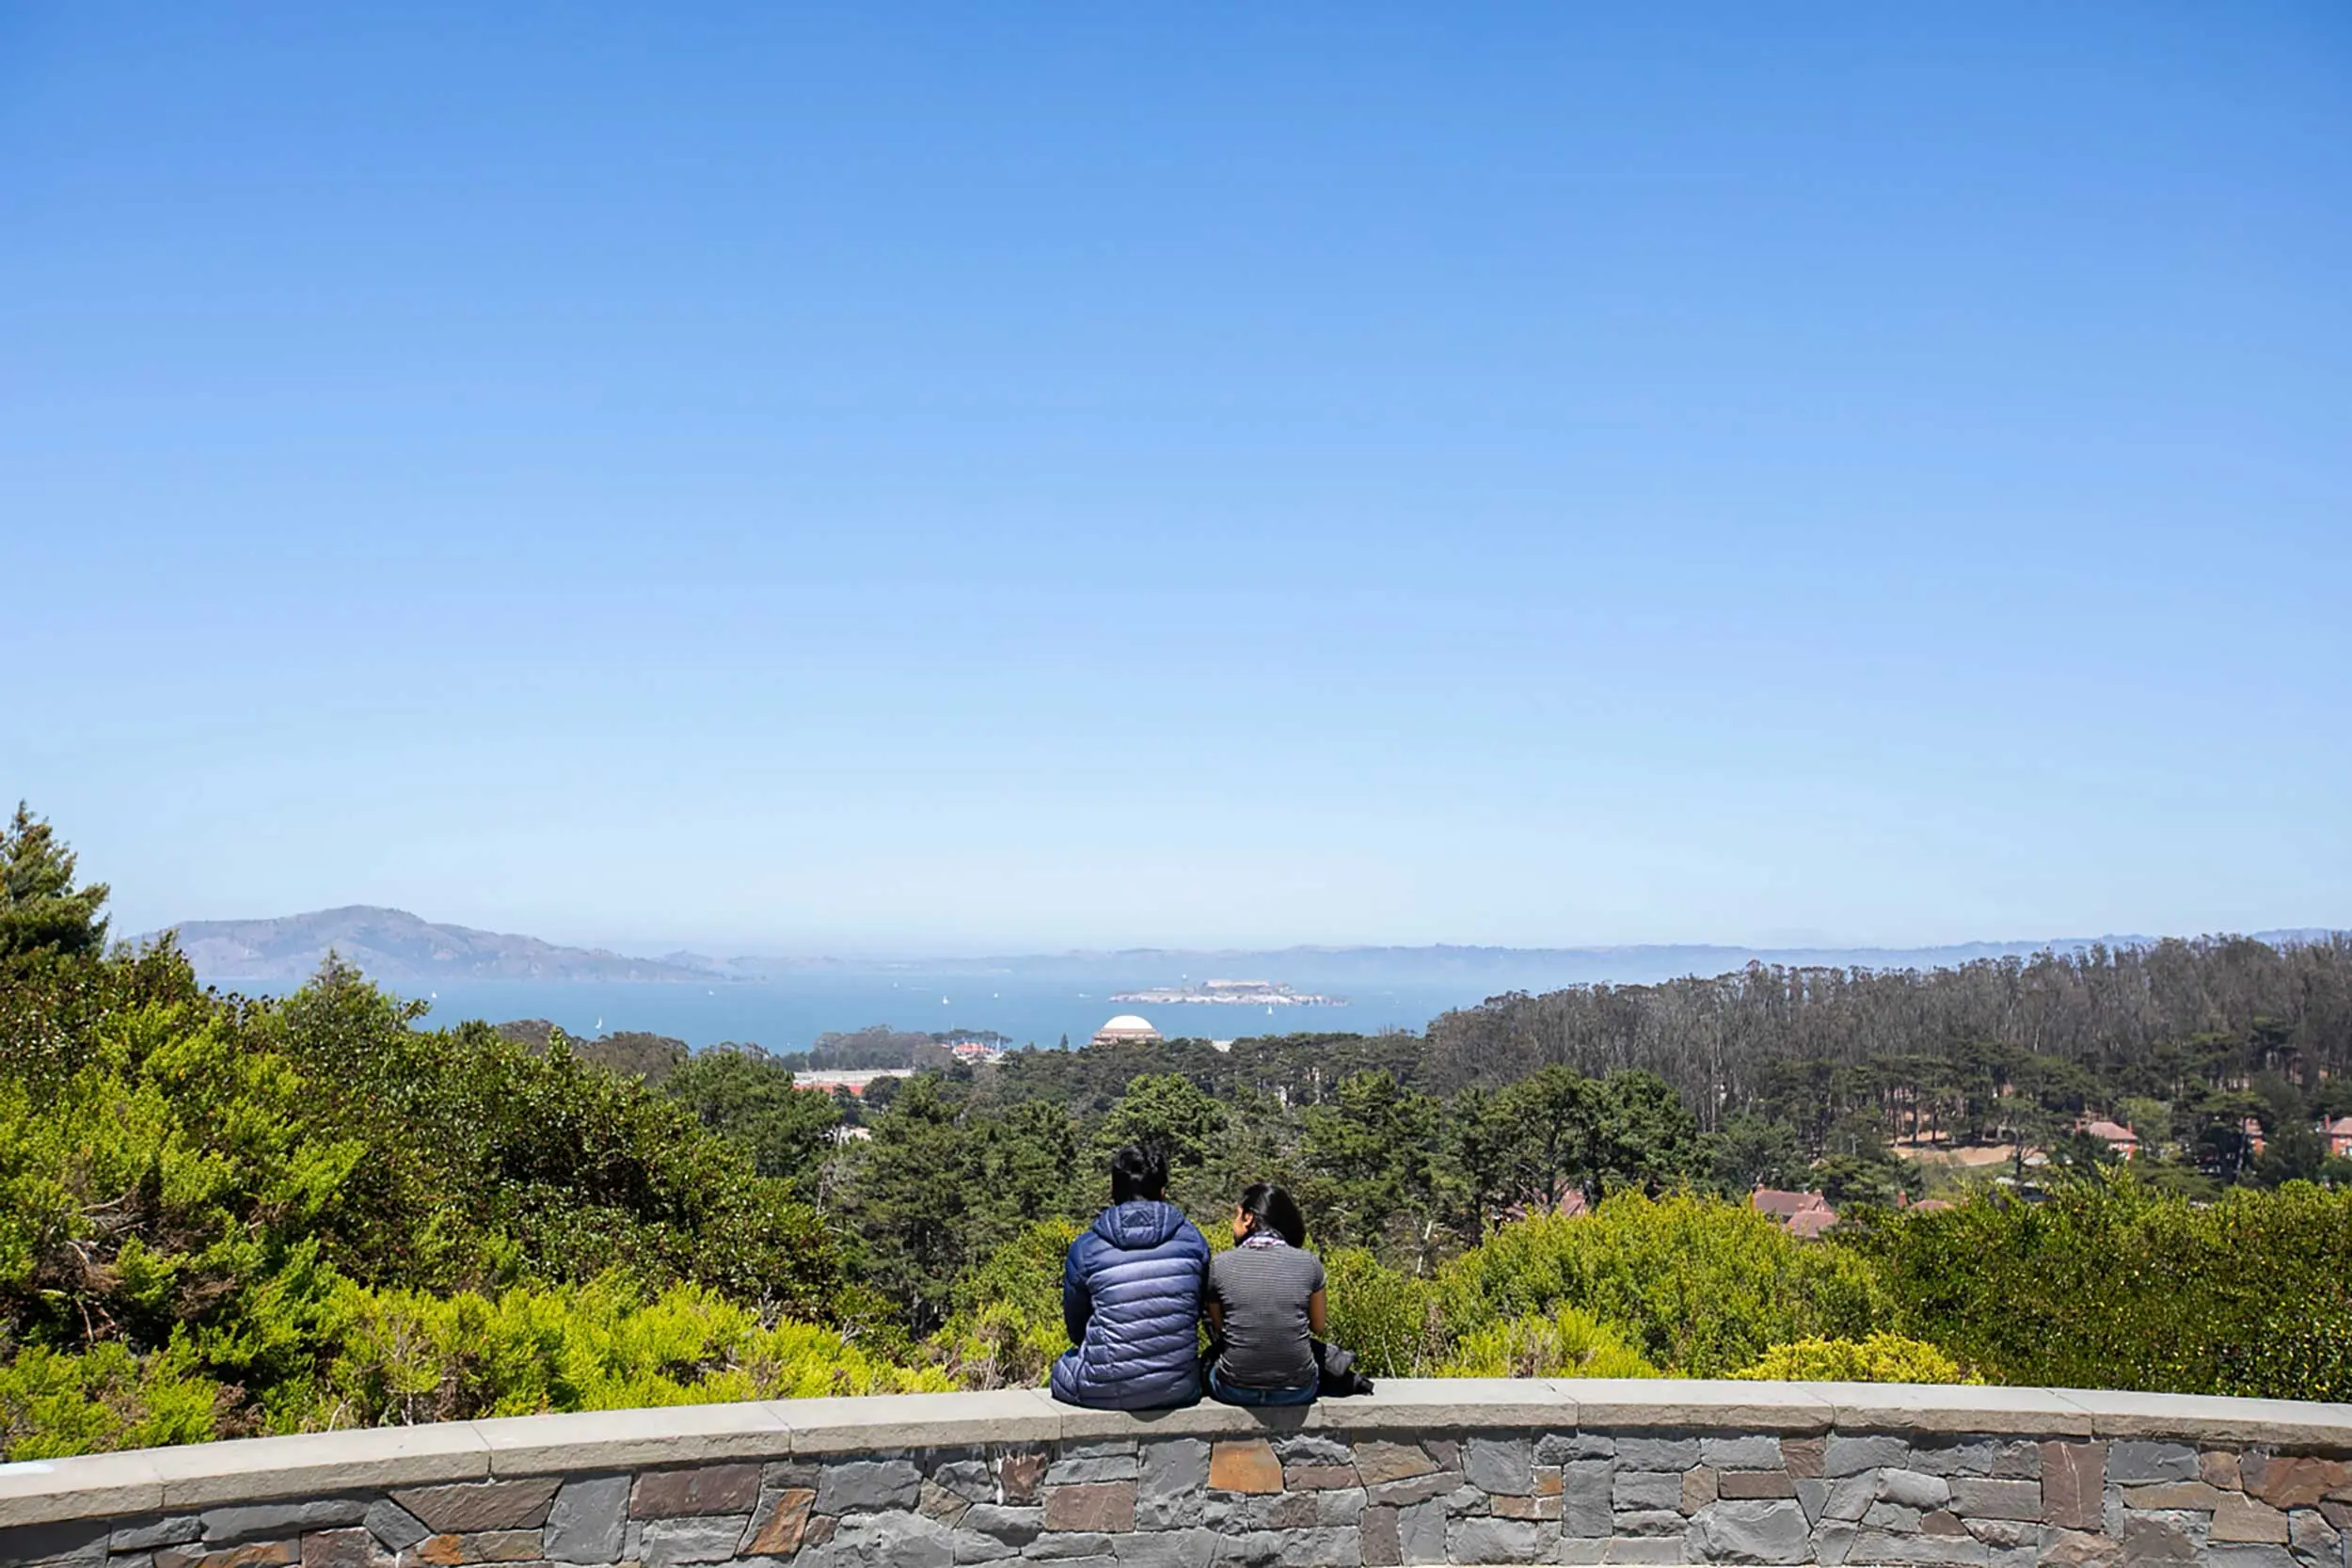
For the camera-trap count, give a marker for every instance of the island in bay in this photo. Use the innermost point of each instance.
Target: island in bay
(1254, 993)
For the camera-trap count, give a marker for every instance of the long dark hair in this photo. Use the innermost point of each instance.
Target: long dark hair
(1270, 1207)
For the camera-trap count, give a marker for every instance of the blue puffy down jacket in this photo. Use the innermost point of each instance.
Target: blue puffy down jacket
(1131, 1299)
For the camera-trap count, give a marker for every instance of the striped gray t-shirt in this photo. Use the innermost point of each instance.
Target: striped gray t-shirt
(1264, 1291)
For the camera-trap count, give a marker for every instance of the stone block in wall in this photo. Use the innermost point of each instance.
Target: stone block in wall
(2136, 1460)
(2002, 1534)
(2069, 1549)
(969, 1478)
(1763, 1531)
(1585, 1485)
(1850, 1497)
(254, 1554)
(227, 1526)
(1504, 1465)
(1495, 1541)
(1172, 1548)
(1646, 1549)
(1741, 1453)
(2315, 1539)
(1851, 1456)
(2235, 1555)
(1074, 1468)
(1019, 1475)
(1416, 1489)
(1108, 1506)
(1645, 1489)
(1171, 1467)
(855, 1486)
(894, 1540)
(1698, 1489)
(2242, 1518)
(1563, 1447)
(1657, 1453)
(777, 1524)
(145, 1535)
(2073, 1485)
(1317, 1478)
(2159, 1540)
(1068, 1545)
(1421, 1532)
(937, 1503)
(1525, 1508)
(76, 1541)
(1811, 1495)
(1657, 1521)
(1891, 1516)
(1982, 1498)
(1377, 1462)
(1014, 1527)
(1930, 1551)
(464, 1507)
(2297, 1481)
(2006, 1459)
(585, 1523)
(450, 1550)
(2218, 1467)
(1804, 1456)
(1383, 1545)
(350, 1546)
(700, 1489)
(1913, 1489)
(1244, 1465)
(1744, 1485)
(1312, 1448)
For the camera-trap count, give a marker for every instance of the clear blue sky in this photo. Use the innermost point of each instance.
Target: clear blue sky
(882, 477)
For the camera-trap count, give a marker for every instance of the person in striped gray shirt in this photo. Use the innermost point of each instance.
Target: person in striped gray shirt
(1264, 1304)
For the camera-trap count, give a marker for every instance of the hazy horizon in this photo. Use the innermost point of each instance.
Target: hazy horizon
(1020, 480)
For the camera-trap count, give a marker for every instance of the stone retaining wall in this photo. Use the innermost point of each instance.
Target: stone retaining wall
(1468, 1471)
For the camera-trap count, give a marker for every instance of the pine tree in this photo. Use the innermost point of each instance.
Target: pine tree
(40, 910)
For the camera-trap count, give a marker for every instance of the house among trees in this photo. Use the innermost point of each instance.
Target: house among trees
(2114, 1135)
(1804, 1216)
(2339, 1135)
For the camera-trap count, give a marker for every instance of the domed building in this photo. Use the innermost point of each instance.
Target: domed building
(1126, 1029)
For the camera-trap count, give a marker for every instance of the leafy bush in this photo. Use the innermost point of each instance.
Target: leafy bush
(1007, 1329)
(1880, 1358)
(1392, 1321)
(2109, 1284)
(1570, 1342)
(1698, 1286)
(54, 1403)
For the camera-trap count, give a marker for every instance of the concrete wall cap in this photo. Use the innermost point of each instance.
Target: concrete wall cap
(1448, 1404)
(89, 1486)
(2282, 1423)
(1724, 1404)
(254, 1469)
(589, 1440)
(1953, 1408)
(922, 1420)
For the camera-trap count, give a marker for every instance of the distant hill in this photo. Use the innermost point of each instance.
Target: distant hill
(394, 946)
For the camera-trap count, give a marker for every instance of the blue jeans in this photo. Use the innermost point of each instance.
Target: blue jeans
(1234, 1393)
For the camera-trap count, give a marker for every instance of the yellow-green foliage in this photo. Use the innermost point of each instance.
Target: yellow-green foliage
(1697, 1286)
(407, 1356)
(1880, 1358)
(1568, 1342)
(1006, 1327)
(52, 1405)
(1392, 1321)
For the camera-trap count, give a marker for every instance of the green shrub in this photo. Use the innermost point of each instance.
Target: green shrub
(52, 1405)
(1880, 1358)
(1392, 1321)
(1700, 1287)
(1005, 1329)
(2112, 1285)
(1570, 1342)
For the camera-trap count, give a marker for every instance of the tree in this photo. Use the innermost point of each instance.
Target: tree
(747, 1097)
(2295, 1153)
(1640, 1135)
(1166, 1110)
(1373, 1154)
(1549, 1117)
(1475, 1160)
(41, 909)
(1748, 1152)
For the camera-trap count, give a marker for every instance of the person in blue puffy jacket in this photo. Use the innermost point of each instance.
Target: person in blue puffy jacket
(1130, 1297)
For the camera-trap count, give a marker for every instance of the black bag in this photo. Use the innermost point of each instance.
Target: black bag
(1335, 1377)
